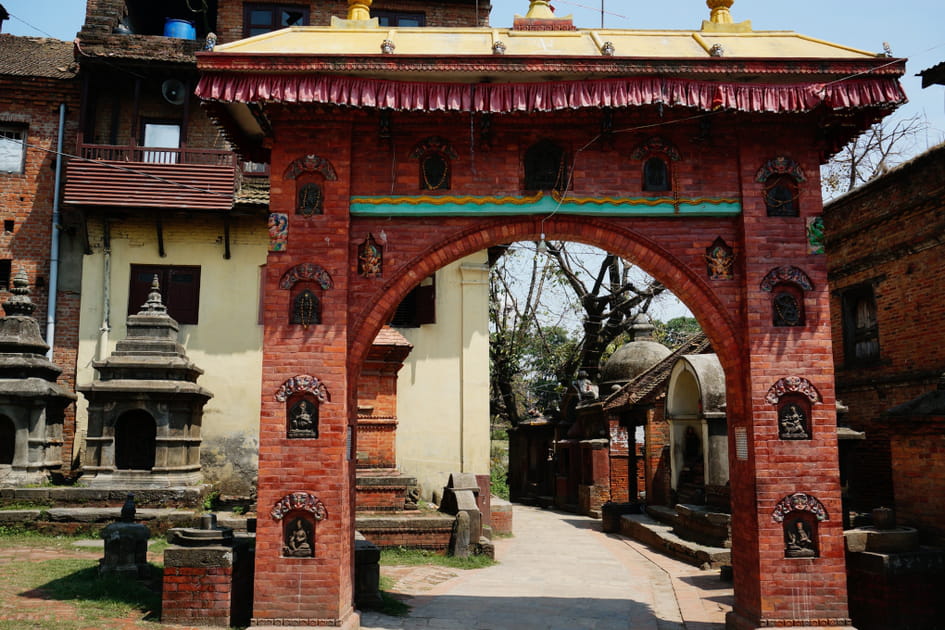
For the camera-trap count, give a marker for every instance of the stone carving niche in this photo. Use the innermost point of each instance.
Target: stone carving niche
(146, 409)
(31, 403)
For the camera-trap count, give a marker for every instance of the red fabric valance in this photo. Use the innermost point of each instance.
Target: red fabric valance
(526, 97)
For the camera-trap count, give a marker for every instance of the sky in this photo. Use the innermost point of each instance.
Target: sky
(912, 28)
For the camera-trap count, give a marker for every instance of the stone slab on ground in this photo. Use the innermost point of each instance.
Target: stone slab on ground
(101, 515)
(19, 516)
(660, 536)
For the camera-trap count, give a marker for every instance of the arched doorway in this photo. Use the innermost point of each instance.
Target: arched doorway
(135, 433)
(7, 441)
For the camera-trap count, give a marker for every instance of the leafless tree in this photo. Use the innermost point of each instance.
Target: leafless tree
(883, 146)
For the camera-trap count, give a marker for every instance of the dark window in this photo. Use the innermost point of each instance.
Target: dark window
(399, 18)
(655, 175)
(860, 326)
(135, 434)
(180, 290)
(263, 18)
(418, 307)
(6, 266)
(546, 167)
(781, 196)
(12, 148)
(8, 225)
(434, 172)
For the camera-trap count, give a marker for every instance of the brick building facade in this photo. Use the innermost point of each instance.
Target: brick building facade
(885, 265)
(38, 84)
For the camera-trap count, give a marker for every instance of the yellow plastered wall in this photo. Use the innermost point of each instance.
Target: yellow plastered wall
(226, 343)
(443, 388)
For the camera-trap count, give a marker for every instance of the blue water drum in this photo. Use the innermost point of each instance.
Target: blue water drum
(181, 29)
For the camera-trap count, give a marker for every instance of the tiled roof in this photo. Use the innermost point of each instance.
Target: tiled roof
(253, 191)
(390, 337)
(36, 57)
(647, 382)
(933, 76)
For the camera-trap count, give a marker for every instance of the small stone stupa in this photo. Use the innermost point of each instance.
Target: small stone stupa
(146, 410)
(31, 403)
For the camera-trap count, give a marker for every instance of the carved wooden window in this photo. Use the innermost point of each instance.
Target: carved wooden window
(860, 325)
(787, 305)
(781, 196)
(546, 167)
(263, 18)
(418, 307)
(180, 290)
(656, 175)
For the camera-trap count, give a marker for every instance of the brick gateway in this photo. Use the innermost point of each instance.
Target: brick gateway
(376, 184)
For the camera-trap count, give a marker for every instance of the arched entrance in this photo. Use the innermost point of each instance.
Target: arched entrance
(671, 173)
(135, 433)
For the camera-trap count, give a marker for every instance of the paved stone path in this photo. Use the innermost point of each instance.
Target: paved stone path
(560, 572)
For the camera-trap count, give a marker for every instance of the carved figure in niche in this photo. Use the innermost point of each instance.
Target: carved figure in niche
(278, 231)
(719, 260)
(792, 423)
(309, 200)
(370, 258)
(303, 419)
(815, 235)
(655, 175)
(306, 309)
(797, 540)
(787, 310)
(298, 539)
(585, 387)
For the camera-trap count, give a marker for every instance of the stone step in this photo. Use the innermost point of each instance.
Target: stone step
(415, 530)
(382, 489)
(660, 536)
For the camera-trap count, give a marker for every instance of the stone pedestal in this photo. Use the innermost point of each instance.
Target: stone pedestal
(126, 550)
(367, 573)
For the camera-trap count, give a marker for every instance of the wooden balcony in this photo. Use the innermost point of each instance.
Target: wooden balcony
(149, 177)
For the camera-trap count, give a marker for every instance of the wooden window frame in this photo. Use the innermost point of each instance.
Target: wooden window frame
(392, 18)
(852, 334)
(16, 133)
(274, 23)
(182, 305)
(418, 307)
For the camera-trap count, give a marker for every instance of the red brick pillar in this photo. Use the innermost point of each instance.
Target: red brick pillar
(198, 594)
(306, 481)
(777, 481)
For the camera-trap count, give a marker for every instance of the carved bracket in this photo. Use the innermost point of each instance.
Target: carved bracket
(780, 165)
(299, 501)
(799, 502)
(306, 271)
(311, 164)
(786, 273)
(303, 384)
(792, 384)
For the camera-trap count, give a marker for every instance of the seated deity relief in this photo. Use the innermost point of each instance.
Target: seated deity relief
(798, 539)
(298, 541)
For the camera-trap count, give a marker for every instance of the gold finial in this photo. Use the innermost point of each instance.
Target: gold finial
(359, 9)
(540, 9)
(720, 11)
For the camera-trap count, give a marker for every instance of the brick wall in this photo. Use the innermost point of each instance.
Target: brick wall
(888, 234)
(197, 595)
(918, 471)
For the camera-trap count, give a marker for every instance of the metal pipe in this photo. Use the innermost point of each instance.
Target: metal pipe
(54, 241)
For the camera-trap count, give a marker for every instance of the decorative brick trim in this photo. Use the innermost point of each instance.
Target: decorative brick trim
(294, 622)
(786, 273)
(299, 501)
(780, 165)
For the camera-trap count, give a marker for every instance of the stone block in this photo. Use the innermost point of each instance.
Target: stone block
(19, 516)
(203, 557)
(32, 494)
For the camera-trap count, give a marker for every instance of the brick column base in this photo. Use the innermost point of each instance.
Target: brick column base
(734, 621)
(198, 585)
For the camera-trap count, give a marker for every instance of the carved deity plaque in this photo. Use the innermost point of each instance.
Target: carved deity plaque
(298, 538)
(792, 422)
(303, 419)
(799, 540)
(787, 310)
(719, 260)
(306, 309)
(370, 258)
(309, 200)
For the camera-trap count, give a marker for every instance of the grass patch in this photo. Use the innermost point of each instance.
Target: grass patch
(26, 505)
(96, 599)
(15, 536)
(412, 557)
